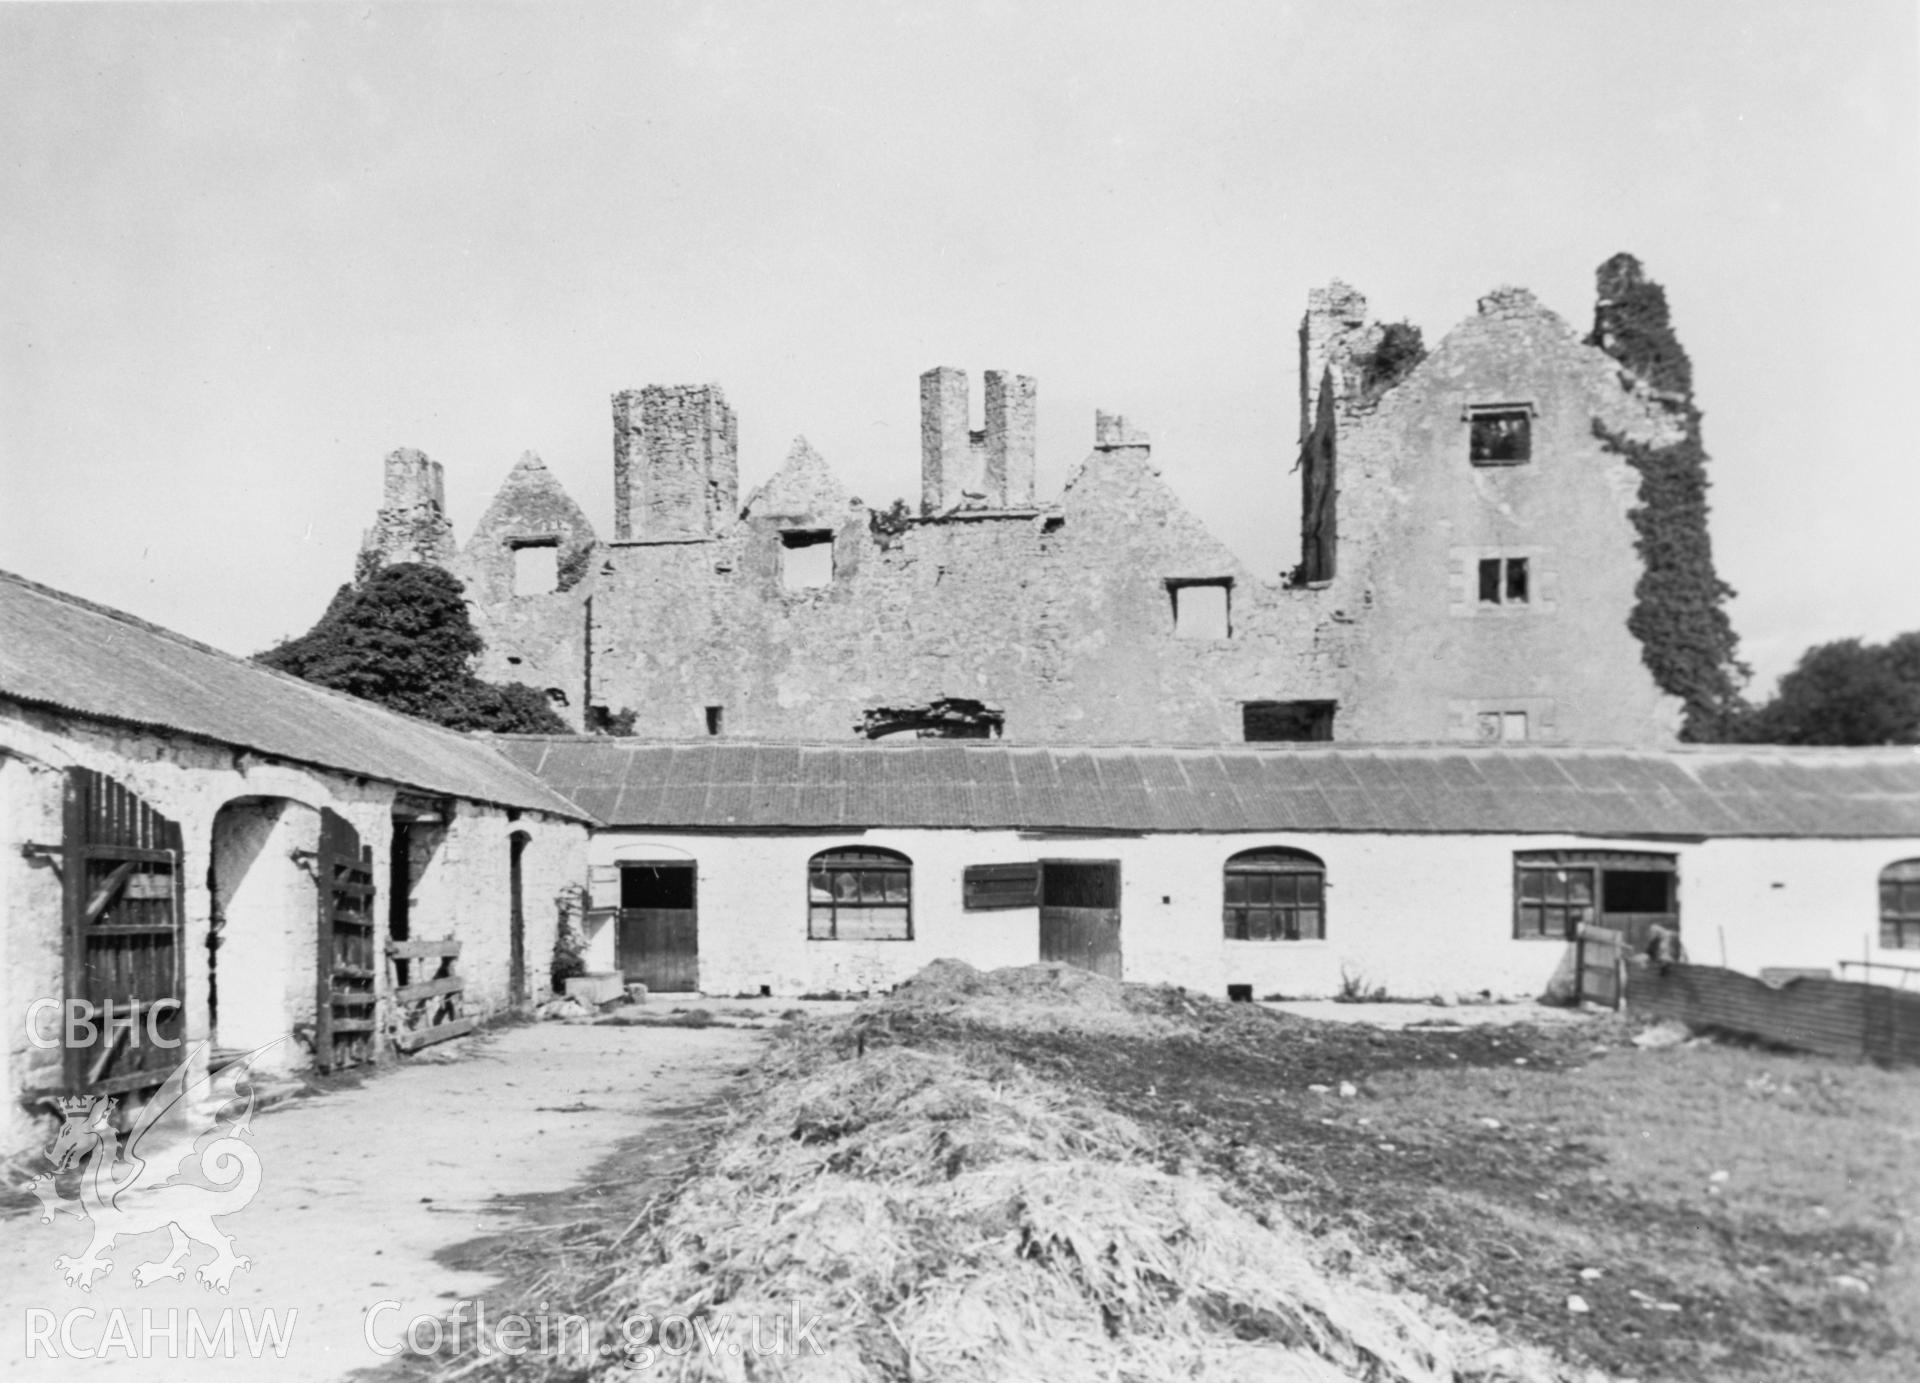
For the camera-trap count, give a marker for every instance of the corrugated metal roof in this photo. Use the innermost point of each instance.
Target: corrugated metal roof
(1697, 791)
(66, 653)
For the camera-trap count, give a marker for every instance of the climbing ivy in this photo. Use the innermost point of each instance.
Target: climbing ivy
(1400, 349)
(1679, 613)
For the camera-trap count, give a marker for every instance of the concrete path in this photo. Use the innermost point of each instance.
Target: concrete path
(360, 1188)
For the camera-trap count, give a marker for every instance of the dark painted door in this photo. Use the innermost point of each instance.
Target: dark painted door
(657, 941)
(344, 999)
(1080, 914)
(121, 870)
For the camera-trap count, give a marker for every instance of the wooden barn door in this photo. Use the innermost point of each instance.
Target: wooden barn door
(121, 875)
(344, 1014)
(657, 942)
(1080, 914)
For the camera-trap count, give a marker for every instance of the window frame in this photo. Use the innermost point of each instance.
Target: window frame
(859, 861)
(1280, 862)
(1224, 584)
(1512, 582)
(1480, 419)
(1900, 924)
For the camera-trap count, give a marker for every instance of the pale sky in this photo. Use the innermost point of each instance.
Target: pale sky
(245, 251)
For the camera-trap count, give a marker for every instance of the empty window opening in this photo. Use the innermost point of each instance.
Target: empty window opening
(1900, 906)
(536, 568)
(1201, 609)
(1636, 890)
(1067, 884)
(1496, 726)
(656, 886)
(1500, 436)
(860, 895)
(806, 559)
(1275, 894)
(944, 718)
(1319, 514)
(1287, 720)
(715, 717)
(1503, 581)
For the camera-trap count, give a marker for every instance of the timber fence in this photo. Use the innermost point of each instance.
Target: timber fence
(1831, 1017)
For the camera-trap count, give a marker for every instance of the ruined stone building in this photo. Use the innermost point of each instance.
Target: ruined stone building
(1468, 566)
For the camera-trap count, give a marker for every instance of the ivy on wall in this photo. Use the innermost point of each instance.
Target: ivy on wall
(1679, 613)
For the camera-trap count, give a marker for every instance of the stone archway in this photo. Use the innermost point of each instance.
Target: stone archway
(261, 945)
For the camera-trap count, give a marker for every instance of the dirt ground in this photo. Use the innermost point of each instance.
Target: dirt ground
(391, 1189)
(1699, 1212)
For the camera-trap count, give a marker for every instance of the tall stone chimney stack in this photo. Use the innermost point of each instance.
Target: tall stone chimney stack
(1010, 440)
(676, 465)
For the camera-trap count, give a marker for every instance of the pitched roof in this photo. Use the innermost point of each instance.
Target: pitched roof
(1730, 791)
(68, 654)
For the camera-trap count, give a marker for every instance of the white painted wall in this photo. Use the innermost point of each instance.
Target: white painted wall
(189, 782)
(1418, 914)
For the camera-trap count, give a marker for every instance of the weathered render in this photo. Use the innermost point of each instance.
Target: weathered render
(1108, 612)
(247, 763)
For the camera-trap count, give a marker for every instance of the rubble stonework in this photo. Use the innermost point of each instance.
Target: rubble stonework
(412, 524)
(1065, 616)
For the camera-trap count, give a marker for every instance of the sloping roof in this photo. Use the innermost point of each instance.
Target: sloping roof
(65, 653)
(1745, 791)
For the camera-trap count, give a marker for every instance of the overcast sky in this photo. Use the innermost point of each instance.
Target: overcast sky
(245, 251)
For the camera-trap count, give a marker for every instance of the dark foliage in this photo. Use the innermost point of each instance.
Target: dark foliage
(402, 637)
(1679, 614)
(602, 720)
(1844, 692)
(888, 524)
(572, 567)
(1400, 349)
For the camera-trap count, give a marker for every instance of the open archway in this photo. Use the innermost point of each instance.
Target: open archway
(260, 945)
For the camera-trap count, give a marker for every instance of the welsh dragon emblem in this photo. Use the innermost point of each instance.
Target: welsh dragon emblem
(152, 1184)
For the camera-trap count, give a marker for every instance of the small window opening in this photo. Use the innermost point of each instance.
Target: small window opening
(1636, 890)
(1503, 581)
(536, 568)
(1497, 726)
(1501, 436)
(715, 715)
(1287, 720)
(1201, 609)
(806, 559)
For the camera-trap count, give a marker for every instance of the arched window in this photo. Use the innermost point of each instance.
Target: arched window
(860, 895)
(1276, 895)
(1900, 905)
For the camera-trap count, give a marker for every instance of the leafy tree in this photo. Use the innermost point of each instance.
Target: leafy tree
(403, 638)
(1844, 692)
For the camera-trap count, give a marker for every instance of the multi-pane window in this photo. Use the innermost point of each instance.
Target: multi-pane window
(1900, 905)
(1275, 895)
(1552, 900)
(1499, 434)
(860, 895)
(1503, 581)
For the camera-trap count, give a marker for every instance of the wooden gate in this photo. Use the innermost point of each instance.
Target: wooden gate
(1080, 914)
(120, 874)
(1600, 966)
(657, 937)
(426, 1007)
(343, 1023)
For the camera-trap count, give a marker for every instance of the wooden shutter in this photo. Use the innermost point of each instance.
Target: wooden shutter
(993, 887)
